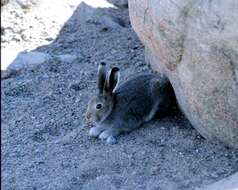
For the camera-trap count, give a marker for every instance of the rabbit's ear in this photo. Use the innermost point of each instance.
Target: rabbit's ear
(101, 76)
(112, 80)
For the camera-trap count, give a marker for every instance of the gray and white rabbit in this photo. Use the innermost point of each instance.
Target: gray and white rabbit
(123, 108)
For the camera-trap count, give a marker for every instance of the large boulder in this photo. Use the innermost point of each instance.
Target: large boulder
(195, 44)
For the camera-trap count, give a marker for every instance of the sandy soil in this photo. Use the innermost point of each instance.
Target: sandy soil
(45, 142)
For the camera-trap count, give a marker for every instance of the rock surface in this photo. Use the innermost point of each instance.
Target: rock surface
(26, 59)
(195, 44)
(34, 58)
(228, 183)
(119, 3)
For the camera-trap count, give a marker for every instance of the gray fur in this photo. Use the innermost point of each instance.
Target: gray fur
(134, 102)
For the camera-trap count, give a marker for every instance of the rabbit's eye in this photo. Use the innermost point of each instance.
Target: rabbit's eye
(98, 106)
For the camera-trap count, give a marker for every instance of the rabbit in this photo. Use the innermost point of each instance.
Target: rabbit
(123, 108)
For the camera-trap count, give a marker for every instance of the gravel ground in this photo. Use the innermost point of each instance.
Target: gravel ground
(27, 24)
(45, 142)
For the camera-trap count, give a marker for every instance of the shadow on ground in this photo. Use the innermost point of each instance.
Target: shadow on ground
(45, 143)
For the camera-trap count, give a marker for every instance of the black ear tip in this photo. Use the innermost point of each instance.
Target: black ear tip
(115, 69)
(102, 63)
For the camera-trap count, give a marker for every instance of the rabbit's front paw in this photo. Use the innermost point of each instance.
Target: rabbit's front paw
(108, 133)
(95, 131)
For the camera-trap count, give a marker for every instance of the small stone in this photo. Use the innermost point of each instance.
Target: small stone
(155, 170)
(111, 140)
(143, 153)
(49, 39)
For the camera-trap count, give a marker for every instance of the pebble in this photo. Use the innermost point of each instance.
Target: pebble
(111, 140)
